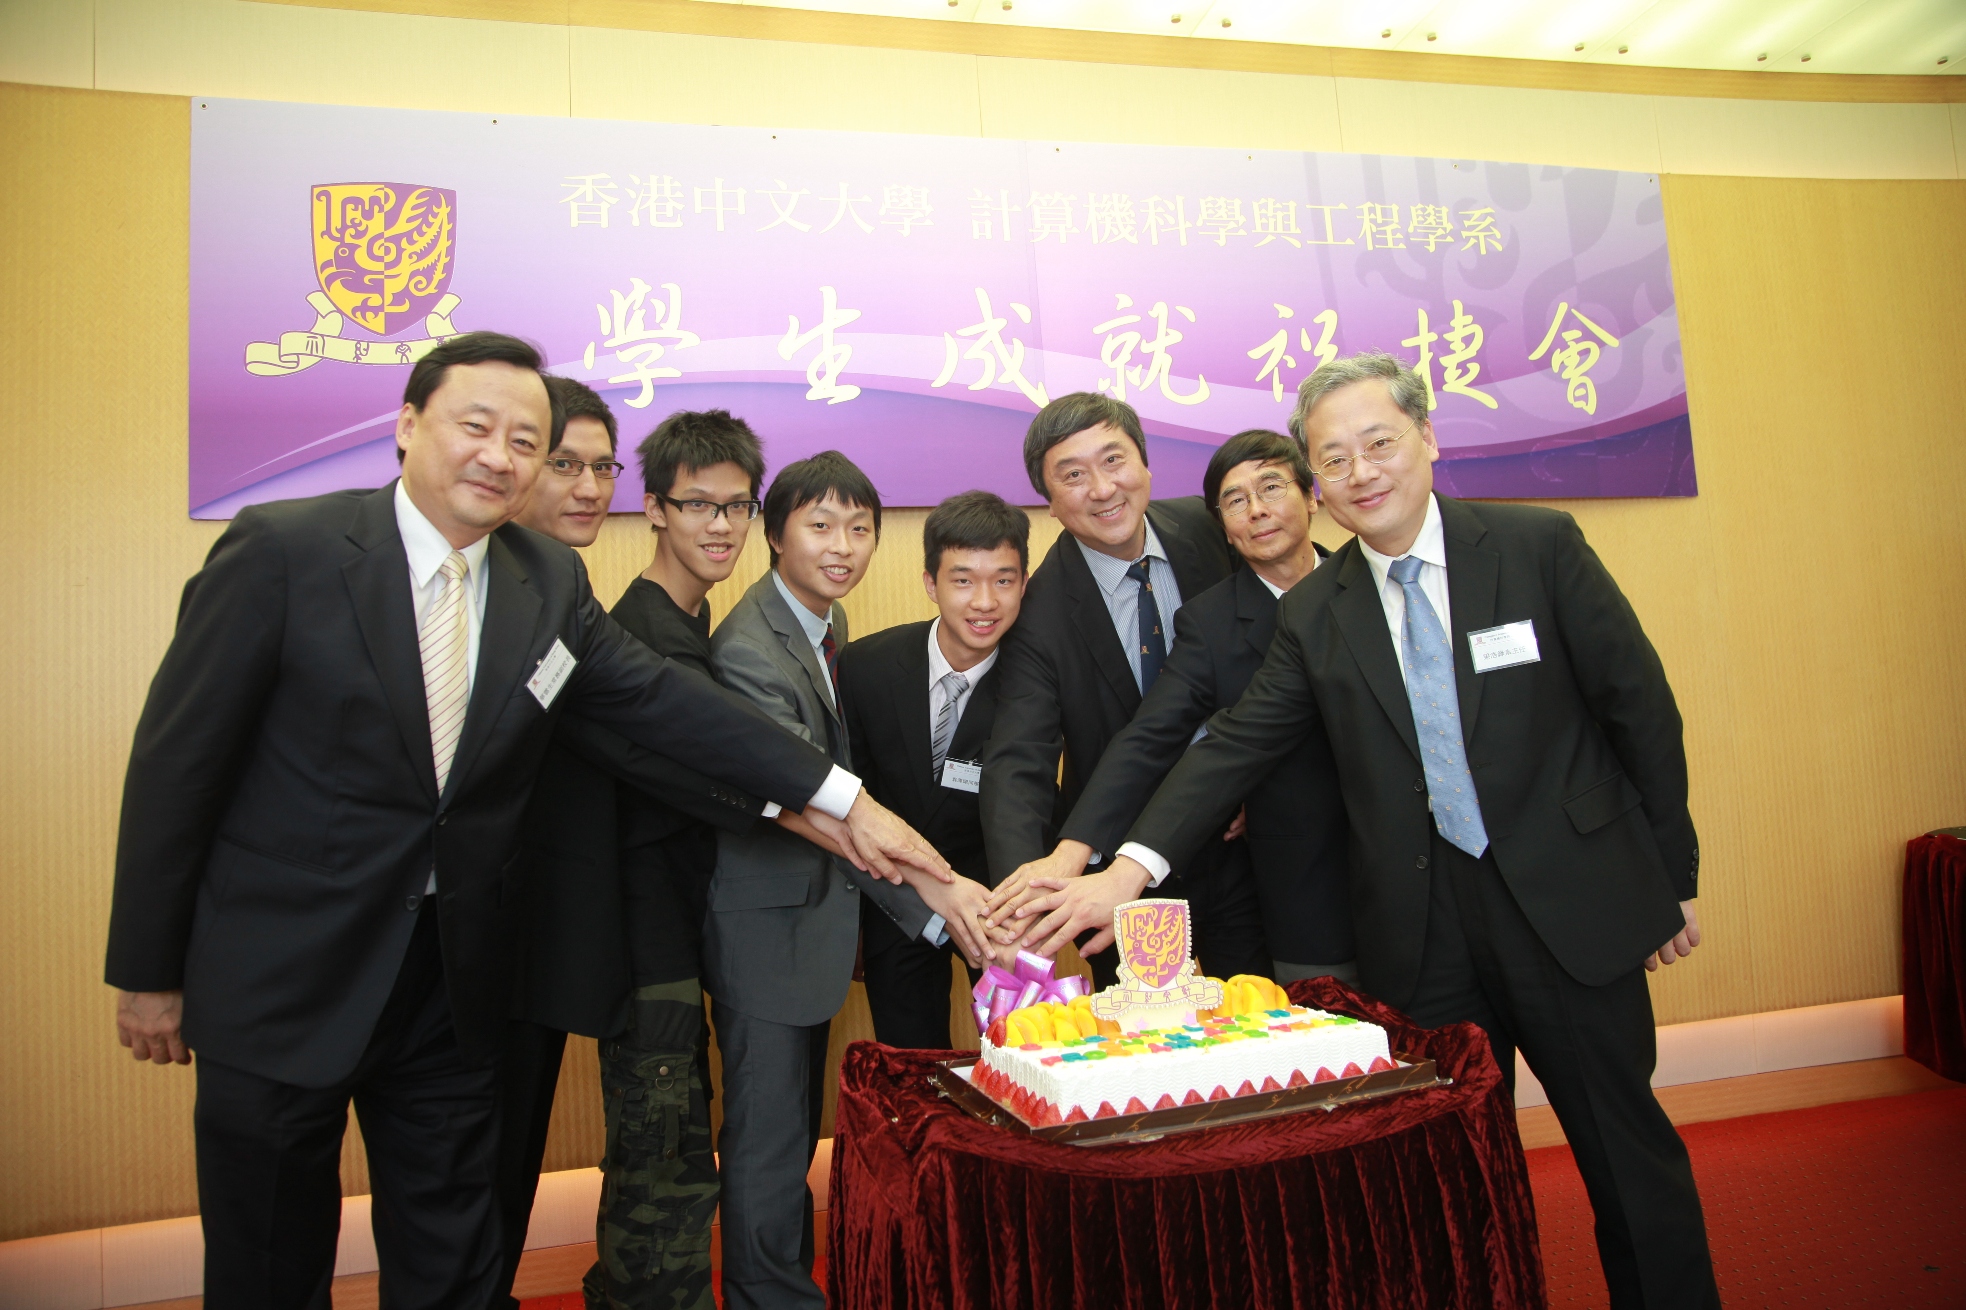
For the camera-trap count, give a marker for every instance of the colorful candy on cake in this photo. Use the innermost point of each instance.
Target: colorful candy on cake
(1161, 1037)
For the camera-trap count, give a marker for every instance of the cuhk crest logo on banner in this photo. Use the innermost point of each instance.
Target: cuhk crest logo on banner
(383, 256)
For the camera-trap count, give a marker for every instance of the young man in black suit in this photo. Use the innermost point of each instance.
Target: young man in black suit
(1260, 488)
(613, 911)
(316, 872)
(1515, 774)
(1090, 643)
(920, 701)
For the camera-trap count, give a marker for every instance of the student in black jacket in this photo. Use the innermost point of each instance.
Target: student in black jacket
(920, 700)
(612, 919)
(1091, 641)
(1260, 488)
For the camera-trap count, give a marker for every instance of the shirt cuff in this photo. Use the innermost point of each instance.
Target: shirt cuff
(771, 810)
(935, 932)
(1157, 867)
(837, 794)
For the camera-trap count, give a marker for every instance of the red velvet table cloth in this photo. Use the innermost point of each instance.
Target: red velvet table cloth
(1419, 1200)
(1935, 954)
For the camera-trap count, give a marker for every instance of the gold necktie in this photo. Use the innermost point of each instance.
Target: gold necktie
(446, 645)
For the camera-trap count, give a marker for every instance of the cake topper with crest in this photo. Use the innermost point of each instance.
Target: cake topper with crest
(1158, 986)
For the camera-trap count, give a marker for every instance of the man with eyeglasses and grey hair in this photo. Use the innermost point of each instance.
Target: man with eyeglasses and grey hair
(1515, 779)
(615, 880)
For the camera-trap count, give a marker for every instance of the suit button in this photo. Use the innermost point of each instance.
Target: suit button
(443, 818)
(1420, 862)
(662, 1070)
(411, 902)
(1419, 784)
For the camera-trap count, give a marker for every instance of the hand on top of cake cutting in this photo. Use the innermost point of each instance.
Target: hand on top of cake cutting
(1007, 902)
(1076, 904)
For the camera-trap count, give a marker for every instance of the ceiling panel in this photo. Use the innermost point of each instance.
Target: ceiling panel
(1839, 36)
(1521, 29)
(1318, 22)
(1889, 36)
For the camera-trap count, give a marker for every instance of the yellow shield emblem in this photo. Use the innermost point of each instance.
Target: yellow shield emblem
(383, 251)
(1153, 940)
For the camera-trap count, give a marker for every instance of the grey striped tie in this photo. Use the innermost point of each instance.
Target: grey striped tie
(446, 644)
(953, 686)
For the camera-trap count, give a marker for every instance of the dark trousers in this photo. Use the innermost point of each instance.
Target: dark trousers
(1224, 915)
(528, 1073)
(908, 982)
(1593, 1049)
(774, 1097)
(269, 1154)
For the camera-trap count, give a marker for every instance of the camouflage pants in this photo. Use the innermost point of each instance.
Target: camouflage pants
(658, 1178)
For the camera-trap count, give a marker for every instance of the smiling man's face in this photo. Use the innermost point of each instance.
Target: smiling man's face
(1384, 504)
(473, 452)
(572, 509)
(1099, 486)
(824, 551)
(979, 593)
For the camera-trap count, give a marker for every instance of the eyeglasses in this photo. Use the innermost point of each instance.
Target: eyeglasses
(739, 511)
(607, 470)
(1270, 491)
(1376, 451)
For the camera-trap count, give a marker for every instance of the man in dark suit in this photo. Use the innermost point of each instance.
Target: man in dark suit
(1515, 773)
(615, 877)
(920, 700)
(1090, 642)
(316, 870)
(1260, 487)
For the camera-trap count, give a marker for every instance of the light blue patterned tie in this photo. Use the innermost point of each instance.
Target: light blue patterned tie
(1437, 714)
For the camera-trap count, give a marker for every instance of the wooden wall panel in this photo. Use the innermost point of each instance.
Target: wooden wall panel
(1805, 604)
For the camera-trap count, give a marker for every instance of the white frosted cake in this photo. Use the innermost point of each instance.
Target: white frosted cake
(1163, 1037)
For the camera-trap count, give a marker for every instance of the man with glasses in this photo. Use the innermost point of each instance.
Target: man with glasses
(1515, 775)
(1260, 488)
(1089, 645)
(615, 884)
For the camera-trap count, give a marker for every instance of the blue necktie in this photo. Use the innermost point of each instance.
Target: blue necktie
(1153, 645)
(1437, 714)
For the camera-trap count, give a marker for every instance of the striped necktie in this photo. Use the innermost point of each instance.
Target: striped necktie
(446, 644)
(954, 687)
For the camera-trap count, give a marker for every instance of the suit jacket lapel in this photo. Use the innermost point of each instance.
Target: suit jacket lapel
(1094, 622)
(910, 701)
(786, 624)
(1473, 574)
(511, 613)
(1181, 553)
(378, 582)
(1256, 612)
(1361, 618)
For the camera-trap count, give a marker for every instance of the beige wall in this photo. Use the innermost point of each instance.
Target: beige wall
(1806, 603)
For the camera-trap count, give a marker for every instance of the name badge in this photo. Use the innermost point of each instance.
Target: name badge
(963, 775)
(551, 675)
(1504, 647)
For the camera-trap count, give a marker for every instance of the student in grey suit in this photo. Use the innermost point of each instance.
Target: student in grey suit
(784, 917)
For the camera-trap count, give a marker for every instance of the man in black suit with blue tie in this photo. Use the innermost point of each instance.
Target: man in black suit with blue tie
(317, 869)
(1515, 774)
(1260, 488)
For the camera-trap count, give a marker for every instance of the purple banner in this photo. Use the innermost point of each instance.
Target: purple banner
(913, 300)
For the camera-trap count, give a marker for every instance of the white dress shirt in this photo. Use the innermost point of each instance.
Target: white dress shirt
(427, 549)
(1122, 595)
(939, 668)
(1431, 549)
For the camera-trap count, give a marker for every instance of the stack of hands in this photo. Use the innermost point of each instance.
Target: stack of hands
(1043, 904)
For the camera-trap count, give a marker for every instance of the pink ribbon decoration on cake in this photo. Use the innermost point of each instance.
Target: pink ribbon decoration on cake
(1001, 990)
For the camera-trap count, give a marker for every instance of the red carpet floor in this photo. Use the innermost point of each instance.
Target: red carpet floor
(1858, 1204)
